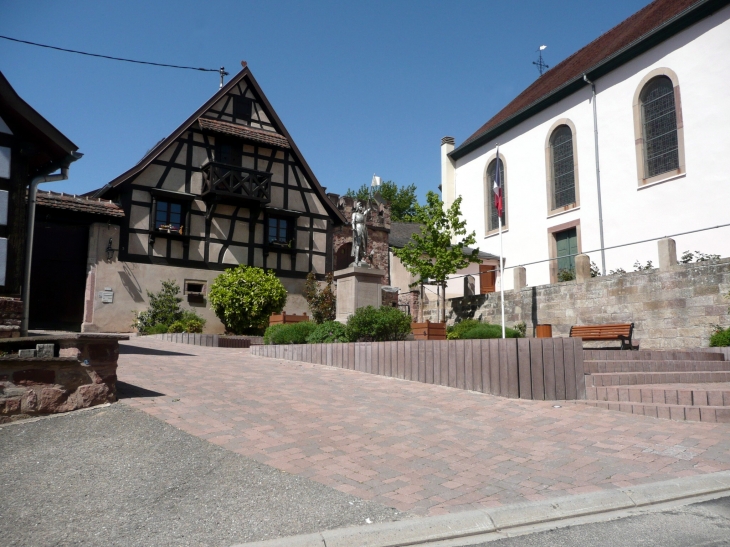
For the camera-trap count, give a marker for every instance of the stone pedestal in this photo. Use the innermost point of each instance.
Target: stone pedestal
(357, 287)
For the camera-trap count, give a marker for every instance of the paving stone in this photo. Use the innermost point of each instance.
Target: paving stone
(398, 442)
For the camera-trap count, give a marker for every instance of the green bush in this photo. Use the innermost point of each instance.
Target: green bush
(720, 338)
(486, 330)
(456, 331)
(165, 314)
(244, 297)
(328, 333)
(159, 328)
(190, 322)
(371, 324)
(293, 333)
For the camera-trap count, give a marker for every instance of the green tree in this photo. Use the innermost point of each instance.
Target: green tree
(244, 297)
(402, 199)
(322, 302)
(438, 250)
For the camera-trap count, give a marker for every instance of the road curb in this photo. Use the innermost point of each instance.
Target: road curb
(494, 520)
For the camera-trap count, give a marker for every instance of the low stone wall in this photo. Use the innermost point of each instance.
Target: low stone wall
(537, 368)
(671, 308)
(81, 373)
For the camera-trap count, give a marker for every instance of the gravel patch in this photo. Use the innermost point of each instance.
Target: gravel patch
(117, 476)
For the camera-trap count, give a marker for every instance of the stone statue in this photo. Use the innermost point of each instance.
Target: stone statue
(360, 234)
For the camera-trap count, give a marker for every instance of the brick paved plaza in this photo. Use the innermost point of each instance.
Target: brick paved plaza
(422, 448)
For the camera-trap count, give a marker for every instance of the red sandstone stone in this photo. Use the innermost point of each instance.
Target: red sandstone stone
(92, 394)
(29, 402)
(52, 400)
(10, 406)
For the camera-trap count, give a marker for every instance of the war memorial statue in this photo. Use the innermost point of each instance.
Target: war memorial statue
(360, 234)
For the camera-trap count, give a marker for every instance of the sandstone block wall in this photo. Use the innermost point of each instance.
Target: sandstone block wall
(82, 373)
(673, 308)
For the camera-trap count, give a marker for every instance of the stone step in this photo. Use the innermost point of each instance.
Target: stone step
(671, 394)
(649, 355)
(599, 367)
(640, 378)
(720, 414)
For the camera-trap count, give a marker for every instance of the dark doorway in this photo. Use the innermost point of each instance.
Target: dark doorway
(58, 277)
(343, 256)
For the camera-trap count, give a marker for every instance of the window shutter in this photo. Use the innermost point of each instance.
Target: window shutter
(487, 278)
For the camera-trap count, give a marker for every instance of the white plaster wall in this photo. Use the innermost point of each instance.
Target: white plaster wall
(695, 200)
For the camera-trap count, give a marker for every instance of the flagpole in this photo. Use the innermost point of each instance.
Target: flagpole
(501, 272)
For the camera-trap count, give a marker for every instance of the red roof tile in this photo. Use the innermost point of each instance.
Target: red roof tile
(81, 204)
(245, 132)
(602, 48)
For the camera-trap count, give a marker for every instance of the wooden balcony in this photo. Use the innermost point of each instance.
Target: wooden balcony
(231, 184)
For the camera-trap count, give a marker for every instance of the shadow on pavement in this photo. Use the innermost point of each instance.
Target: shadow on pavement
(128, 391)
(125, 349)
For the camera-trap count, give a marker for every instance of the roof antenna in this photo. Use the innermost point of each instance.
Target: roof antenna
(540, 64)
(223, 74)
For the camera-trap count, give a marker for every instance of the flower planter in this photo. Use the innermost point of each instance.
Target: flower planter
(429, 331)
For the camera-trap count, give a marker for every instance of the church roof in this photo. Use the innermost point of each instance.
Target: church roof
(643, 30)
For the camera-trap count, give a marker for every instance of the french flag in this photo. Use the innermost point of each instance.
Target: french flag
(498, 198)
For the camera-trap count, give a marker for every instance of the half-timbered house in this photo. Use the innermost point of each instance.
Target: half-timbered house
(229, 186)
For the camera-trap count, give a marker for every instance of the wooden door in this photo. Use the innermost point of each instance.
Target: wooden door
(567, 245)
(58, 277)
(487, 278)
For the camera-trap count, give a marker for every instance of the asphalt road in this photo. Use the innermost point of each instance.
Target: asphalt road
(118, 477)
(704, 524)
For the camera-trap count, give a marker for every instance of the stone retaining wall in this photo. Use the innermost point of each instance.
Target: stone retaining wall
(671, 308)
(81, 373)
(210, 340)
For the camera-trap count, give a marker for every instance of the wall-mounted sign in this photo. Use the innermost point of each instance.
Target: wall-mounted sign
(107, 296)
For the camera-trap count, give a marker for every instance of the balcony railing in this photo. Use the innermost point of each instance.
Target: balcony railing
(235, 183)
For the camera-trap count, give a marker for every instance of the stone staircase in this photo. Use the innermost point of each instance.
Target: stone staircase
(676, 385)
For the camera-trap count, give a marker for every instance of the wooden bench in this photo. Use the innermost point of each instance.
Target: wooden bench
(617, 331)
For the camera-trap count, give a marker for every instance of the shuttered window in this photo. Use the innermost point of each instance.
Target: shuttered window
(567, 245)
(659, 125)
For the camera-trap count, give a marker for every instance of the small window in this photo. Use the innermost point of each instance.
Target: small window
(659, 125)
(194, 287)
(242, 108)
(229, 152)
(169, 217)
(279, 231)
(492, 218)
(561, 149)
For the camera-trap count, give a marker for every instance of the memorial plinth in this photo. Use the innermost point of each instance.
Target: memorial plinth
(357, 287)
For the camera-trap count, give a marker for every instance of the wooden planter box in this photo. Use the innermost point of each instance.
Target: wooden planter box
(286, 318)
(429, 331)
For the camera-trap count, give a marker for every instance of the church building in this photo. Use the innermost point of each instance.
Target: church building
(624, 141)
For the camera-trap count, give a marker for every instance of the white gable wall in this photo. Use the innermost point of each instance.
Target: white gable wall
(695, 200)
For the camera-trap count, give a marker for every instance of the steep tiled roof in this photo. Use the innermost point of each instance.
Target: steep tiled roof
(401, 232)
(82, 204)
(258, 135)
(604, 48)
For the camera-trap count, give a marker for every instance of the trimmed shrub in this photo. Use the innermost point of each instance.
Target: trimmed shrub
(720, 338)
(190, 322)
(159, 328)
(293, 333)
(371, 324)
(328, 333)
(486, 330)
(456, 331)
(244, 297)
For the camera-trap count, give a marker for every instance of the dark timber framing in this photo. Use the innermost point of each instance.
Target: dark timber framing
(227, 224)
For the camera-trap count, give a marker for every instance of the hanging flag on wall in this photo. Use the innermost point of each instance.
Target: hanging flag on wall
(498, 199)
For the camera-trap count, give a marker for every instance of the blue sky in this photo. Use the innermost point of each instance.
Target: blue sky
(362, 87)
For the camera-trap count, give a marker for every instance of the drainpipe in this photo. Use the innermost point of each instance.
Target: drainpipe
(32, 193)
(598, 175)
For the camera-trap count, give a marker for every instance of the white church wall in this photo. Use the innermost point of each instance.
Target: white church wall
(694, 200)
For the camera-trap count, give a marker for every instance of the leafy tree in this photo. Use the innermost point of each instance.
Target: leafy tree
(322, 302)
(244, 297)
(402, 199)
(438, 250)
